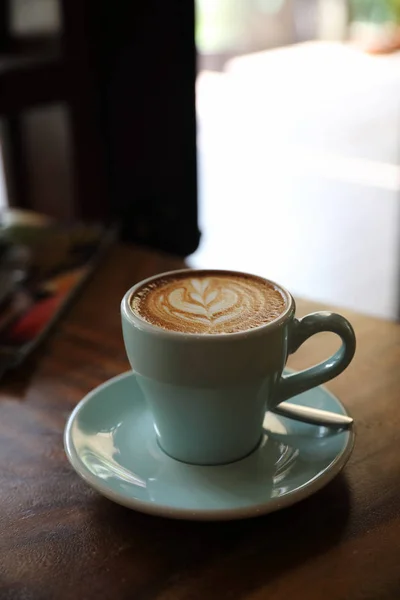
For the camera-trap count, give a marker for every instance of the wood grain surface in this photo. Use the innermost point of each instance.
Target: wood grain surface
(60, 539)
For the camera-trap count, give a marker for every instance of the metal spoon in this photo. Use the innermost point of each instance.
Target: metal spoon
(315, 416)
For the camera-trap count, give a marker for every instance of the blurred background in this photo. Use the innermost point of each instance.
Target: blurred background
(298, 134)
(298, 105)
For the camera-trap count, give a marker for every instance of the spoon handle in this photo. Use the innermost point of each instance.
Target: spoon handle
(315, 416)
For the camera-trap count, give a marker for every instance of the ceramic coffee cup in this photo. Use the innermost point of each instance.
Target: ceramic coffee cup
(208, 393)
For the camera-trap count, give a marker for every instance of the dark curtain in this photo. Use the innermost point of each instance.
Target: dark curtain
(146, 67)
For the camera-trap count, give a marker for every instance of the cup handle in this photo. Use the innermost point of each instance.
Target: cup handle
(301, 330)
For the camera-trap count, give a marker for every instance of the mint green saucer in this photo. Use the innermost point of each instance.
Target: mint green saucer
(110, 441)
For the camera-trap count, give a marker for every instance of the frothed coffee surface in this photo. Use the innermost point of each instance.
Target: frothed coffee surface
(208, 302)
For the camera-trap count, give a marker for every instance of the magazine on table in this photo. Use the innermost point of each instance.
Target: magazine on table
(42, 265)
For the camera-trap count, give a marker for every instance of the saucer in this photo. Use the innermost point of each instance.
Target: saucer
(110, 441)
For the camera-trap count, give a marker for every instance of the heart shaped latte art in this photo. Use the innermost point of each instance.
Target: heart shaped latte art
(210, 304)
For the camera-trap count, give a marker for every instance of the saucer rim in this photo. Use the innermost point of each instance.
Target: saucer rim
(271, 505)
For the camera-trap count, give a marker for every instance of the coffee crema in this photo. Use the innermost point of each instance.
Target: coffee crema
(208, 302)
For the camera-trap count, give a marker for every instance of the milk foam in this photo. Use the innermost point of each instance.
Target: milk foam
(208, 302)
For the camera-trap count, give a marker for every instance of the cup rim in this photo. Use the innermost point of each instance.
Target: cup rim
(144, 325)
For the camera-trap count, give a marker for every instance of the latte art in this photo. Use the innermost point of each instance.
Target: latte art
(208, 302)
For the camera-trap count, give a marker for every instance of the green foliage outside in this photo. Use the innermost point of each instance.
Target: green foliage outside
(376, 11)
(221, 24)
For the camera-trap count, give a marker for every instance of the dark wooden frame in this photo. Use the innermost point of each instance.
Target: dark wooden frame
(127, 73)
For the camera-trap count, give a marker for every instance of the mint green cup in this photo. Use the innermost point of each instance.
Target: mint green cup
(208, 393)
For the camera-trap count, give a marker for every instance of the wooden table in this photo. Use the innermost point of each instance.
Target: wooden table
(60, 539)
